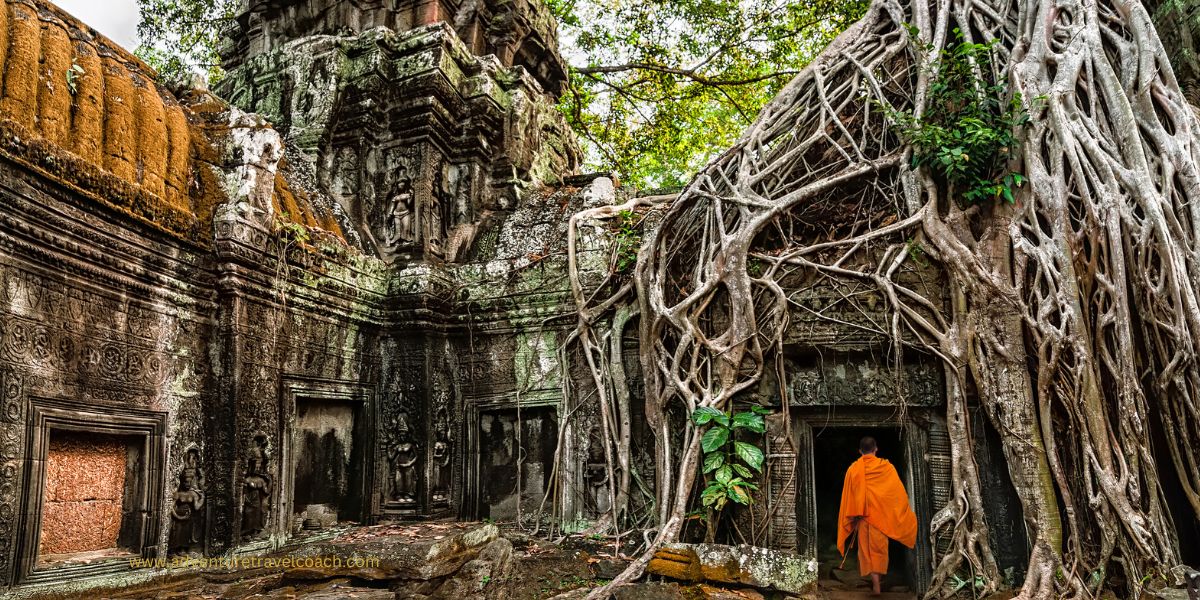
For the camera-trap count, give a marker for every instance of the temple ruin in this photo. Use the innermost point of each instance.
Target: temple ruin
(332, 289)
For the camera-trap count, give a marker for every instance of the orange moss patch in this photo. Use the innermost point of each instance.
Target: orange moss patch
(119, 133)
(102, 187)
(682, 565)
(54, 95)
(179, 157)
(87, 125)
(4, 36)
(85, 483)
(152, 144)
(293, 205)
(287, 207)
(330, 224)
(19, 102)
(118, 137)
(207, 191)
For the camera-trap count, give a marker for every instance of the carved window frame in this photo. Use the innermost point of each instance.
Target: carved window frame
(47, 415)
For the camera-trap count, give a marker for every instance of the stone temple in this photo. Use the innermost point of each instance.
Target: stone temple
(332, 289)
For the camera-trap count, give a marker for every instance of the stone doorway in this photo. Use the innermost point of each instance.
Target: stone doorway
(838, 449)
(95, 490)
(327, 464)
(516, 456)
(826, 443)
(84, 510)
(328, 456)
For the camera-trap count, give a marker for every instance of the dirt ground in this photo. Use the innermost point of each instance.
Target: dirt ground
(436, 560)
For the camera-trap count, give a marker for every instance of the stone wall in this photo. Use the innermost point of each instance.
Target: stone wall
(194, 277)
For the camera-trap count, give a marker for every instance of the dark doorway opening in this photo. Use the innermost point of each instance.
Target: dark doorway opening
(329, 459)
(834, 450)
(516, 457)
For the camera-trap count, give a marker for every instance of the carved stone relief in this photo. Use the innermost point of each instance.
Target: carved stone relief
(400, 219)
(443, 454)
(403, 452)
(187, 508)
(256, 488)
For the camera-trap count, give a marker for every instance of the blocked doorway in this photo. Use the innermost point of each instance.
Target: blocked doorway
(328, 466)
(95, 490)
(328, 463)
(515, 454)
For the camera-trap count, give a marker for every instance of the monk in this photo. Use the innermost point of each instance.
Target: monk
(874, 508)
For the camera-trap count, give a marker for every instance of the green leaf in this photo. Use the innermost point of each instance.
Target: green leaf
(705, 414)
(714, 438)
(742, 471)
(712, 461)
(748, 420)
(724, 474)
(750, 454)
(739, 494)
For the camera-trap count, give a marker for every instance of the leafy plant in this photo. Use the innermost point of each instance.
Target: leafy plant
(729, 463)
(291, 231)
(969, 127)
(627, 240)
(957, 583)
(73, 75)
(916, 252)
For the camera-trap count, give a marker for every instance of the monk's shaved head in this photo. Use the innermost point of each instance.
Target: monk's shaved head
(867, 445)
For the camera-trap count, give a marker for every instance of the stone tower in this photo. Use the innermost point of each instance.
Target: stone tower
(420, 118)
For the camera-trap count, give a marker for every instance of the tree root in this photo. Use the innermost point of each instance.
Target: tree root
(1068, 316)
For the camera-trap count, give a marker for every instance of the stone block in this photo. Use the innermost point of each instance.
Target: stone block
(396, 559)
(742, 565)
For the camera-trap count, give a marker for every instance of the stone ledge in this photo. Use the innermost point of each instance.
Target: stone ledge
(744, 565)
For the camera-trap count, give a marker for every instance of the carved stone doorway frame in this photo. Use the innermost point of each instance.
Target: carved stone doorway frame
(364, 440)
(470, 509)
(148, 428)
(921, 482)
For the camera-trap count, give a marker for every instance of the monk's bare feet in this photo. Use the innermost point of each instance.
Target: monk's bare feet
(875, 585)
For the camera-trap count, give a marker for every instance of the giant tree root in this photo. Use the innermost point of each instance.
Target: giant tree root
(1070, 316)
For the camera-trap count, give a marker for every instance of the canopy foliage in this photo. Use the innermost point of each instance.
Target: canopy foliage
(657, 87)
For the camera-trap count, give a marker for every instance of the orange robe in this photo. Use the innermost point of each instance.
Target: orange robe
(873, 491)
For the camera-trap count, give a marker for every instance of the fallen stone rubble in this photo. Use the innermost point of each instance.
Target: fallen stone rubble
(459, 561)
